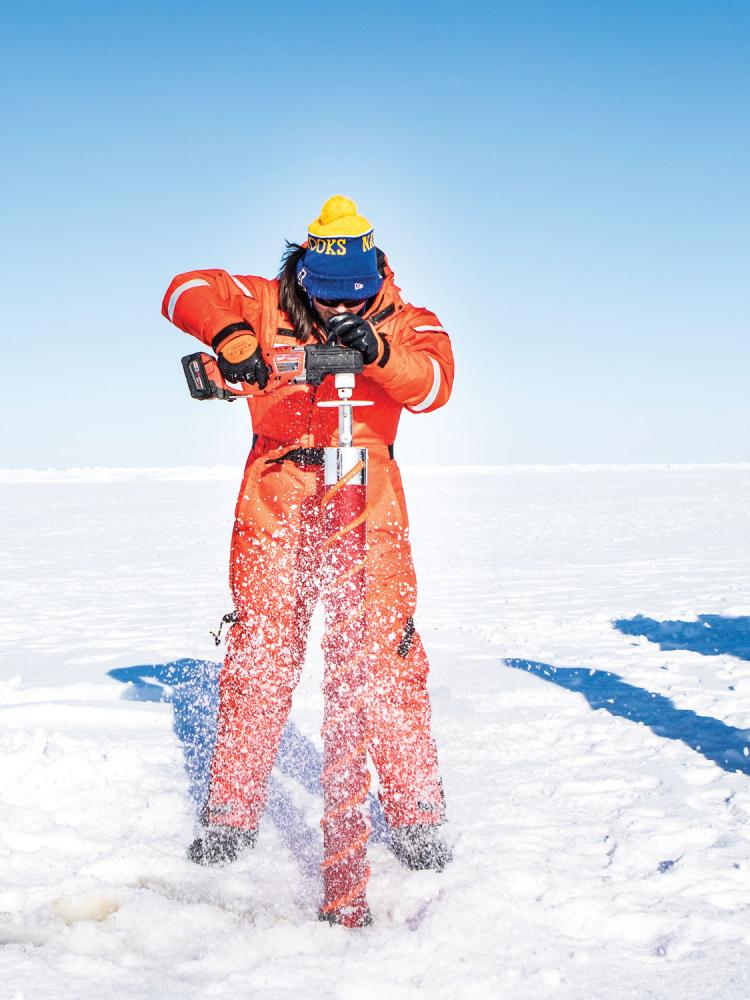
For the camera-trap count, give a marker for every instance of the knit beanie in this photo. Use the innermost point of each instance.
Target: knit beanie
(341, 260)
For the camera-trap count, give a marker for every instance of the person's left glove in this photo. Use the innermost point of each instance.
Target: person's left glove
(353, 331)
(240, 360)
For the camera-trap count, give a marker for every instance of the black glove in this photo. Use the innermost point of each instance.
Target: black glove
(353, 331)
(238, 368)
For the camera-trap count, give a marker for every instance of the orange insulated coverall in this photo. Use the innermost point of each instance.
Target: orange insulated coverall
(276, 548)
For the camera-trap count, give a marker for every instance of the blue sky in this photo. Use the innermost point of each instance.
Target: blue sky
(565, 184)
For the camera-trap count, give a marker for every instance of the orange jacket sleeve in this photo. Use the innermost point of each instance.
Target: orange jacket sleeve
(204, 303)
(415, 366)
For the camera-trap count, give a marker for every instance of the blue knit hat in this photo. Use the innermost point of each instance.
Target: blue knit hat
(341, 260)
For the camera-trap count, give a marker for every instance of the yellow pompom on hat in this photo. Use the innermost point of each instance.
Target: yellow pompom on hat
(341, 259)
(339, 217)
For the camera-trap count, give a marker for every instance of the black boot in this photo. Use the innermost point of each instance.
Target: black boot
(420, 847)
(219, 845)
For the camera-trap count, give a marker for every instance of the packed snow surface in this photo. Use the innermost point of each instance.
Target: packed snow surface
(589, 633)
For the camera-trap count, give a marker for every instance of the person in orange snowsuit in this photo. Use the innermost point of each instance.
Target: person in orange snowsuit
(336, 284)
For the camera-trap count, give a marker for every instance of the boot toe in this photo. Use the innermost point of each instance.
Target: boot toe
(420, 848)
(220, 845)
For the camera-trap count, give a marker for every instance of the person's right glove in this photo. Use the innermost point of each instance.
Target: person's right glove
(240, 360)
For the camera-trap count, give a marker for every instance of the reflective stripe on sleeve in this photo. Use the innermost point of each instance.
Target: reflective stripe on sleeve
(432, 394)
(435, 329)
(243, 288)
(193, 283)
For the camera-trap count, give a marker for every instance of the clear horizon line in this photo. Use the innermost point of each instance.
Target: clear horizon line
(221, 472)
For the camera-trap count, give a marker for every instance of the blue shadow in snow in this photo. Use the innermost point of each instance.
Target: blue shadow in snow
(724, 745)
(710, 634)
(192, 688)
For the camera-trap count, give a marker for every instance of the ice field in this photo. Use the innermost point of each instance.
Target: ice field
(589, 635)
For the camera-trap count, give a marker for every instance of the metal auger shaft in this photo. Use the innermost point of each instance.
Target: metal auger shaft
(345, 779)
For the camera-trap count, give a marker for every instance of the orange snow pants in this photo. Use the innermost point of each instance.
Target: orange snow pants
(275, 576)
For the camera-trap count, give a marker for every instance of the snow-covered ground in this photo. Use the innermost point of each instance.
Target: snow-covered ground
(589, 631)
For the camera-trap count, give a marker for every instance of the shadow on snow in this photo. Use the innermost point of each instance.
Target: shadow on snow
(192, 688)
(725, 745)
(710, 634)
